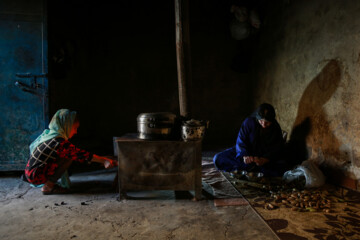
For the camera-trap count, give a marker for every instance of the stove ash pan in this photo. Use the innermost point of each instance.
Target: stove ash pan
(156, 126)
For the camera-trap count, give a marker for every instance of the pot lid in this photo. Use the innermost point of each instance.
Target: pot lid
(193, 123)
(157, 116)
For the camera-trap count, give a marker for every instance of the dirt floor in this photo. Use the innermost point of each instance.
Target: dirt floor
(92, 211)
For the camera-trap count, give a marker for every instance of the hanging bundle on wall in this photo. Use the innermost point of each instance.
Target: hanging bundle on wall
(244, 22)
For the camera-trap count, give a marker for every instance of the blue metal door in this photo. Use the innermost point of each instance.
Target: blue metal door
(23, 82)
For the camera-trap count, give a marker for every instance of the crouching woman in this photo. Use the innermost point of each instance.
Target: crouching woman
(51, 154)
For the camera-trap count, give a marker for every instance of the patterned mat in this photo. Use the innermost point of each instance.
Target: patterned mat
(215, 184)
(328, 212)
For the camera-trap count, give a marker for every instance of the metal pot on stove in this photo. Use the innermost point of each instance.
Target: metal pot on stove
(153, 126)
(193, 130)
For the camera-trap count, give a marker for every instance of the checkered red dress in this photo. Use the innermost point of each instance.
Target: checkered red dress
(43, 161)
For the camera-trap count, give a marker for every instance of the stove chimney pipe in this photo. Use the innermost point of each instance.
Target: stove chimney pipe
(183, 56)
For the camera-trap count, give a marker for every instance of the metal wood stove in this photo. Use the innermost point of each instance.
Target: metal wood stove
(158, 165)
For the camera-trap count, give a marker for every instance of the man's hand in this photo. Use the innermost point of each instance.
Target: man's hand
(260, 161)
(248, 159)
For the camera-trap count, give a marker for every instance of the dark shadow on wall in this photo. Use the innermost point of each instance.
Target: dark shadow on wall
(311, 129)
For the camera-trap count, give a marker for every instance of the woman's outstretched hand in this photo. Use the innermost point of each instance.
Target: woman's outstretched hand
(108, 162)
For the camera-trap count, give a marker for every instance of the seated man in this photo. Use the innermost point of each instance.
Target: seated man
(258, 146)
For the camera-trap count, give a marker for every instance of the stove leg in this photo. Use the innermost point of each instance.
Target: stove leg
(122, 195)
(115, 184)
(198, 184)
(198, 195)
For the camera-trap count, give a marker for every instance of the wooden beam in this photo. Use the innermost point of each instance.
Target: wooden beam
(183, 56)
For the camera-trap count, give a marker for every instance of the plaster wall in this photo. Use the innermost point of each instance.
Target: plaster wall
(308, 67)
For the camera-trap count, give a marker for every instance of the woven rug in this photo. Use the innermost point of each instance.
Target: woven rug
(328, 212)
(215, 184)
(218, 188)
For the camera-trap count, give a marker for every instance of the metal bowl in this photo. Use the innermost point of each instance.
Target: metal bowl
(254, 176)
(250, 176)
(235, 174)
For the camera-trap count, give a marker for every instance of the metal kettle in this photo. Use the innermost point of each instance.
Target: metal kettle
(193, 130)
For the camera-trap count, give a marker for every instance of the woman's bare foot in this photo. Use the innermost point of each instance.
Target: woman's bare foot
(52, 188)
(48, 186)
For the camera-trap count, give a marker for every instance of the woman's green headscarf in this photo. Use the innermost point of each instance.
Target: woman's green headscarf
(59, 126)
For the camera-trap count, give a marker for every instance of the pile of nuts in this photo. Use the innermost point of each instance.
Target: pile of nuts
(302, 201)
(293, 195)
